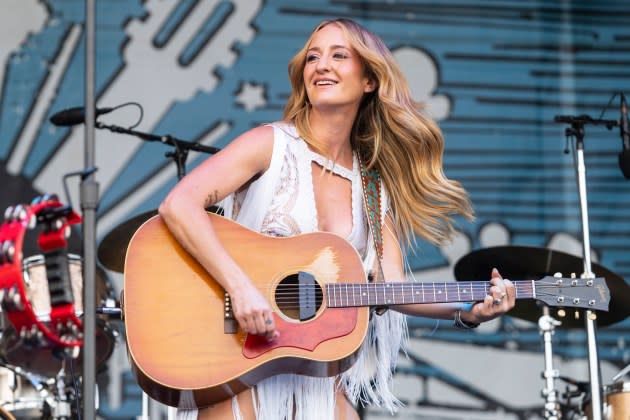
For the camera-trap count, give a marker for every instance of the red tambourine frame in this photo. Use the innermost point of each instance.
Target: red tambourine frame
(64, 328)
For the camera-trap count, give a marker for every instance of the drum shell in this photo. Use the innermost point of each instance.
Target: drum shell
(46, 361)
(616, 402)
(617, 398)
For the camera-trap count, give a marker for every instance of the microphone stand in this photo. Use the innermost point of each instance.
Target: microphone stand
(181, 146)
(577, 131)
(89, 204)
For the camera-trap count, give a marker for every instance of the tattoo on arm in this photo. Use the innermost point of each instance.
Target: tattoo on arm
(211, 199)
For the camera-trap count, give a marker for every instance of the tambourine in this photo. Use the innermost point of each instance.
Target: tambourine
(62, 327)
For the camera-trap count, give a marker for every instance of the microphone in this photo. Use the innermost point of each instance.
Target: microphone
(74, 116)
(624, 155)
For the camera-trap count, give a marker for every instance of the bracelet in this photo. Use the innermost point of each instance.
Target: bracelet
(458, 322)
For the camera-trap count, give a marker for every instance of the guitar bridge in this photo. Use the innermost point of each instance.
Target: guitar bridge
(229, 323)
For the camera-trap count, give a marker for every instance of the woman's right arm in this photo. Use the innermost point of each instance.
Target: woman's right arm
(183, 211)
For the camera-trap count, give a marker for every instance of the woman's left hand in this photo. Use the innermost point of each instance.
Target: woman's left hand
(500, 299)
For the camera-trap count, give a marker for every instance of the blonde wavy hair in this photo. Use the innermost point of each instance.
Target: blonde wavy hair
(392, 135)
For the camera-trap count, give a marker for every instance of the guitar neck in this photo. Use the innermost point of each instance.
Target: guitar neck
(340, 295)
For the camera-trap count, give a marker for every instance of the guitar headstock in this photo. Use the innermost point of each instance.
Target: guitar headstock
(573, 292)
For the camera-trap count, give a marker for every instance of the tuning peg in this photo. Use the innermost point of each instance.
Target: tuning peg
(576, 315)
(558, 275)
(573, 275)
(561, 313)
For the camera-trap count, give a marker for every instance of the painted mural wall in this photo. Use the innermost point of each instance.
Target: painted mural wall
(493, 73)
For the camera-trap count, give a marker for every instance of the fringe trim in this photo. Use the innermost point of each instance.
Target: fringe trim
(367, 382)
(280, 396)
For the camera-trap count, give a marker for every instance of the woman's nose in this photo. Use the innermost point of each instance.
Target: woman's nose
(322, 63)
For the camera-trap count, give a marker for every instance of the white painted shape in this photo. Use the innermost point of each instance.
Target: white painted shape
(251, 96)
(423, 77)
(45, 97)
(494, 234)
(153, 78)
(512, 377)
(25, 16)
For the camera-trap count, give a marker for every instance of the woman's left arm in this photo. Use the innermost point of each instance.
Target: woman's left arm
(500, 299)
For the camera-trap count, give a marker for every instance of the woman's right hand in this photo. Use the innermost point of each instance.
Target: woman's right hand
(253, 312)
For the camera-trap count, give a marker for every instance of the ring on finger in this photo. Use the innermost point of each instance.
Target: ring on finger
(497, 301)
(268, 321)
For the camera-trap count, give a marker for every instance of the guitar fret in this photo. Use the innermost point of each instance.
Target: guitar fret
(380, 293)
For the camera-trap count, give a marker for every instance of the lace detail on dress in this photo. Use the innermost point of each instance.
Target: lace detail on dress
(329, 165)
(278, 220)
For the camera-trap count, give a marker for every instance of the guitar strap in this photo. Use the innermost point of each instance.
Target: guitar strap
(371, 182)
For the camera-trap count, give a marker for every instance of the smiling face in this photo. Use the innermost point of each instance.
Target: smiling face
(333, 73)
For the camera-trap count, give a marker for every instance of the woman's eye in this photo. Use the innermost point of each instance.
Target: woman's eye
(310, 58)
(339, 55)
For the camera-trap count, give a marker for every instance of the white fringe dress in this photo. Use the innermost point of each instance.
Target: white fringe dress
(281, 202)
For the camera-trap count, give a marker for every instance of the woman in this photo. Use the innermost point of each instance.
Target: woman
(350, 106)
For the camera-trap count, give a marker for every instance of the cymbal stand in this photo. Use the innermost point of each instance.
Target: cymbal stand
(547, 325)
(621, 373)
(577, 131)
(61, 405)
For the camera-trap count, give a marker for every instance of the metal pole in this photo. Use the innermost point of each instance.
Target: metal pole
(593, 362)
(89, 203)
(546, 325)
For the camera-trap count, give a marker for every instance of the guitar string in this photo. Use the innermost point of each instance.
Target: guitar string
(450, 287)
(289, 290)
(292, 291)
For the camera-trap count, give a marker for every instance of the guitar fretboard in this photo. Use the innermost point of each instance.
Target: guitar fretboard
(341, 295)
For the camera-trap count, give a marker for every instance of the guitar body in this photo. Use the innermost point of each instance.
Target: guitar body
(182, 349)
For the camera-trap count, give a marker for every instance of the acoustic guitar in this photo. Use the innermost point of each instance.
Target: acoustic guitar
(185, 346)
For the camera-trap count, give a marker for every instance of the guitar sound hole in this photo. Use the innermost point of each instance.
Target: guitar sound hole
(299, 296)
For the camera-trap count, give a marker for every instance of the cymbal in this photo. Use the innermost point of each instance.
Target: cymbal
(113, 248)
(532, 263)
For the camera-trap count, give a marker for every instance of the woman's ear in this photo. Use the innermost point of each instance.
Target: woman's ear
(370, 85)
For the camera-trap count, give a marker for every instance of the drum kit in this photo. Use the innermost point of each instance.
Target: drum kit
(41, 304)
(523, 262)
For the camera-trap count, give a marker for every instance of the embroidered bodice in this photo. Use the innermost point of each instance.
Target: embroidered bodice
(292, 209)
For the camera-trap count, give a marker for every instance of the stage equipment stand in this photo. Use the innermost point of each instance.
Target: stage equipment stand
(182, 147)
(89, 204)
(576, 130)
(547, 324)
